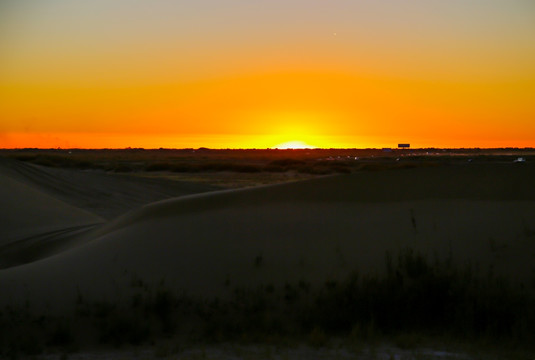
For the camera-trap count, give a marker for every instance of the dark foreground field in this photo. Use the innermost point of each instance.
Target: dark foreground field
(409, 254)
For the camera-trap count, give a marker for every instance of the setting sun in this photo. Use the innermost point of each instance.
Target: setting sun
(294, 145)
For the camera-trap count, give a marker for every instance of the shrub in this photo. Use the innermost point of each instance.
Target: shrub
(415, 296)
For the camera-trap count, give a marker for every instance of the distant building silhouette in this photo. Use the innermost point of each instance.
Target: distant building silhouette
(404, 145)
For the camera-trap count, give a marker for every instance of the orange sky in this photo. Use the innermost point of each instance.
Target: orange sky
(330, 74)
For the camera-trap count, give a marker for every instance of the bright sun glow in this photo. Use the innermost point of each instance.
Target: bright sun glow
(294, 145)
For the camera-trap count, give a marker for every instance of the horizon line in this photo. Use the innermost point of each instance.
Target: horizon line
(277, 149)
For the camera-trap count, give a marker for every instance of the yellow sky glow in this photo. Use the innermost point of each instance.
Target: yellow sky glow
(337, 74)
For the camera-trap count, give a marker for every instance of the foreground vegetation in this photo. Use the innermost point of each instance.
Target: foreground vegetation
(416, 303)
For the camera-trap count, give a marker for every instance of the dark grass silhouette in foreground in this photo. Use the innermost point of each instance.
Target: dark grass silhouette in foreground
(430, 299)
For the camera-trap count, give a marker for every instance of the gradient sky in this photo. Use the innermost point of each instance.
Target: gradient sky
(219, 73)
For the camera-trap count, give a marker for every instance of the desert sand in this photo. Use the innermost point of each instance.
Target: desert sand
(46, 210)
(201, 244)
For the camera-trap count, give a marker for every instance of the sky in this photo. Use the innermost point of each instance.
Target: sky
(257, 74)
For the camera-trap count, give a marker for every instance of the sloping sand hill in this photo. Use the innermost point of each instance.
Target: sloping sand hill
(317, 230)
(26, 212)
(45, 211)
(34, 224)
(104, 194)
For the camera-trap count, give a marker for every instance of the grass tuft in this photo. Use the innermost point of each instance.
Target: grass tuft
(416, 296)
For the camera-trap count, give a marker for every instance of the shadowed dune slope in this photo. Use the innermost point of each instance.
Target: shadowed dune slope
(26, 212)
(45, 210)
(107, 195)
(317, 230)
(34, 225)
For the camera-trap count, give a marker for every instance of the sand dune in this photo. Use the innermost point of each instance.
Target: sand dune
(104, 194)
(209, 244)
(46, 211)
(26, 212)
(34, 224)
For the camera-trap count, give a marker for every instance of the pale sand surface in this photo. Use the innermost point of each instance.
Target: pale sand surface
(315, 230)
(198, 253)
(104, 194)
(26, 212)
(45, 210)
